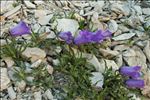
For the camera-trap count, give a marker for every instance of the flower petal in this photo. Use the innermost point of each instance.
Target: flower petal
(20, 29)
(132, 83)
(83, 37)
(130, 71)
(67, 36)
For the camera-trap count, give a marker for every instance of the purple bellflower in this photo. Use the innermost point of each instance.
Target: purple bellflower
(83, 37)
(134, 83)
(100, 35)
(20, 29)
(67, 36)
(132, 72)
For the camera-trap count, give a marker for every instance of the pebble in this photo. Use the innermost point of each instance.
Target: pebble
(134, 56)
(138, 10)
(35, 53)
(29, 4)
(124, 36)
(147, 50)
(9, 61)
(49, 95)
(21, 85)
(146, 11)
(70, 25)
(37, 95)
(11, 93)
(11, 12)
(97, 80)
(45, 19)
(4, 79)
(36, 64)
(112, 26)
(50, 69)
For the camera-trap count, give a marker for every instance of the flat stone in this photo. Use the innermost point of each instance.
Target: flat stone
(111, 64)
(11, 93)
(108, 52)
(134, 56)
(21, 85)
(9, 61)
(38, 2)
(97, 79)
(45, 19)
(147, 50)
(112, 26)
(49, 95)
(34, 53)
(50, 69)
(11, 12)
(138, 10)
(120, 9)
(70, 25)
(37, 95)
(146, 11)
(124, 36)
(36, 64)
(29, 4)
(4, 79)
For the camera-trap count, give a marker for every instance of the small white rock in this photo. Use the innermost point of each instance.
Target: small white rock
(11, 12)
(67, 25)
(11, 93)
(38, 2)
(9, 61)
(111, 64)
(21, 85)
(113, 26)
(124, 36)
(50, 69)
(37, 95)
(146, 11)
(138, 10)
(4, 79)
(29, 4)
(97, 79)
(49, 95)
(147, 50)
(35, 53)
(36, 64)
(45, 19)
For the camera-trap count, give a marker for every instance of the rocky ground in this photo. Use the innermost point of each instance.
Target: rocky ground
(129, 21)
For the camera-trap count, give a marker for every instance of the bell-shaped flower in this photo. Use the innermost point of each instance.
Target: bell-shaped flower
(20, 29)
(66, 36)
(134, 83)
(83, 37)
(132, 72)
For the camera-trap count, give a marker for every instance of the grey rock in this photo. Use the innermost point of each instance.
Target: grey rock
(29, 4)
(112, 26)
(146, 11)
(138, 10)
(121, 9)
(11, 12)
(49, 95)
(123, 28)
(70, 25)
(11, 93)
(21, 85)
(45, 19)
(97, 80)
(37, 95)
(135, 56)
(124, 36)
(4, 79)
(147, 50)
